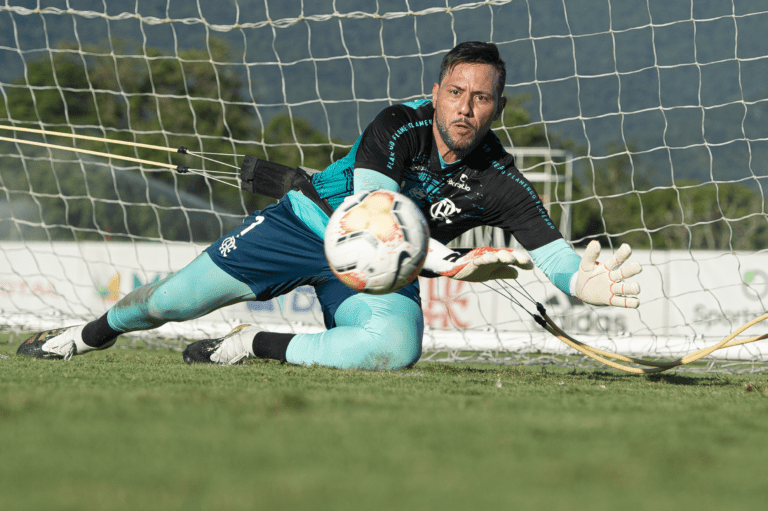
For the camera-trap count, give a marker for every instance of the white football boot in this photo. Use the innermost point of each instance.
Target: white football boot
(61, 343)
(227, 350)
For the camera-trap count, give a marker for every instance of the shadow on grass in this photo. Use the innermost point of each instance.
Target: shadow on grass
(611, 376)
(691, 380)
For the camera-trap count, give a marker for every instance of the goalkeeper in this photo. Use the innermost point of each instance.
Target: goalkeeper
(442, 154)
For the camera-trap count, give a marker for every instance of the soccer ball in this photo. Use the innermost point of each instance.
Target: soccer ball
(376, 242)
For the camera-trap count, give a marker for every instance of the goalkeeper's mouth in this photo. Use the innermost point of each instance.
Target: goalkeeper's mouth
(463, 125)
(463, 134)
(463, 131)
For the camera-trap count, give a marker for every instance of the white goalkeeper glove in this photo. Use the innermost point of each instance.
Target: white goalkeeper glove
(477, 265)
(603, 284)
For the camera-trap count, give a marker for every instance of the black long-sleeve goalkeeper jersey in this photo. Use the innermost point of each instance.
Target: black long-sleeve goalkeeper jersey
(483, 188)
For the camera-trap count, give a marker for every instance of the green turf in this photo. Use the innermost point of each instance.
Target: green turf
(137, 429)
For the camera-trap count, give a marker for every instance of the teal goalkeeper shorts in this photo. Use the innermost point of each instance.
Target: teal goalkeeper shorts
(273, 251)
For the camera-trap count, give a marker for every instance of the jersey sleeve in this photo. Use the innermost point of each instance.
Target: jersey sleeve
(515, 206)
(367, 179)
(386, 143)
(559, 263)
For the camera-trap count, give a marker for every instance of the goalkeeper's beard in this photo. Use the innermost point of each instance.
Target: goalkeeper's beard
(460, 149)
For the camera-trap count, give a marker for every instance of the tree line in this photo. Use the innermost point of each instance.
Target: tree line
(191, 100)
(616, 199)
(198, 100)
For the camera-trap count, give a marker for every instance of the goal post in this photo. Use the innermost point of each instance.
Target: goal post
(637, 122)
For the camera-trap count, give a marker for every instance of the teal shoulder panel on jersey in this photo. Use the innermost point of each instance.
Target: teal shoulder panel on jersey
(417, 103)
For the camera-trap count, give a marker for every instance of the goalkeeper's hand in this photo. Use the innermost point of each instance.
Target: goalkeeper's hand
(481, 264)
(603, 284)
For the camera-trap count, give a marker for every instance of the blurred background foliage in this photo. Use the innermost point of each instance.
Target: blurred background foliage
(194, 101)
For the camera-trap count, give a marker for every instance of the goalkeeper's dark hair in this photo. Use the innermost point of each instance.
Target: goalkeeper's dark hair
(475, 52)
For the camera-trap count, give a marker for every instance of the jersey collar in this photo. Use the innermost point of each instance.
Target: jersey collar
(436, 162)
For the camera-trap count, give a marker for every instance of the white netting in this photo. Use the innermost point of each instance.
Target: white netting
(639, 121)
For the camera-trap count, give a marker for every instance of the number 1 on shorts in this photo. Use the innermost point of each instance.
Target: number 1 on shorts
(258, 220)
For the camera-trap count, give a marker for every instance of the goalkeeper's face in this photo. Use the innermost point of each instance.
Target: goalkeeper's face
(466, 104)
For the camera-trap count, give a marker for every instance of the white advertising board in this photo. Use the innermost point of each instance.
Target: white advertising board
(688, 299)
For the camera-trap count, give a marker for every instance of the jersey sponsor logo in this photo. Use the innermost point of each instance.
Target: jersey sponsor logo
(443, 210)
(461, 183)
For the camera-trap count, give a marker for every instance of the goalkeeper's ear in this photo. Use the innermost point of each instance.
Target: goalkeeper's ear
(501, 103)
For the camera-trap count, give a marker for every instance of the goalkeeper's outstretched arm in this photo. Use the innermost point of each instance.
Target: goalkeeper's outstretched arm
(583, 277)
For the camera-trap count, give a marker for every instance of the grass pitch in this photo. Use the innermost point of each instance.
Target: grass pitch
(138, 429)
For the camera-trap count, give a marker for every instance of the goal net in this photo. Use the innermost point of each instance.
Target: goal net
(638, 121)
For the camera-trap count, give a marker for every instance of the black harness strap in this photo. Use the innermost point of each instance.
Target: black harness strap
(275, 180)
